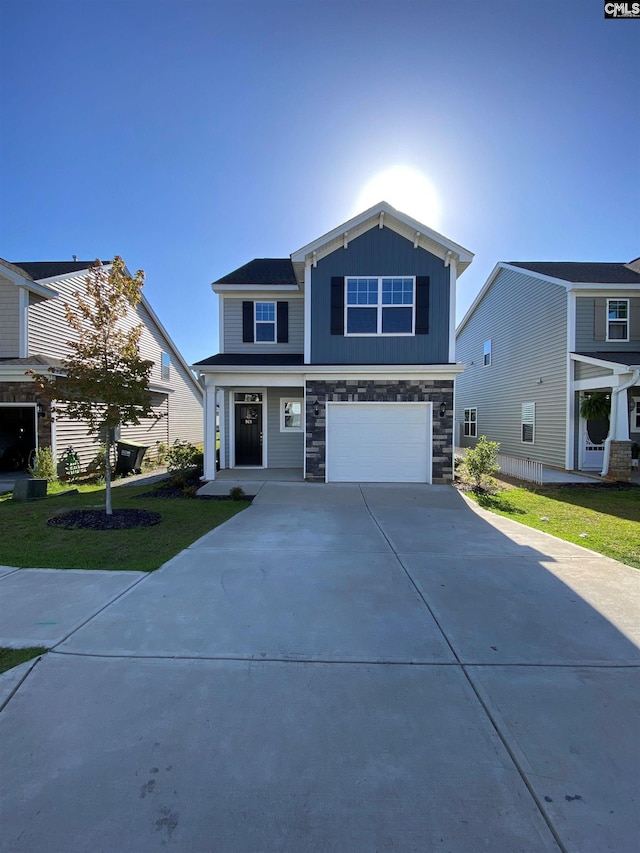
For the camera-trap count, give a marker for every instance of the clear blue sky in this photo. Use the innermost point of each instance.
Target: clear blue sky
(191, 136)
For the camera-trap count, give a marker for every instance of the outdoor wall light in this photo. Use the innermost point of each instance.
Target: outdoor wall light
(443, 409)
(316, 410)
(40, 410)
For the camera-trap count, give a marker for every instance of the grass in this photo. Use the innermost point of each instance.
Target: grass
(28, 542)
(608, 515)
(13, 657)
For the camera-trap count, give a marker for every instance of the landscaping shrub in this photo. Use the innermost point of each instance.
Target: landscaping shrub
(479, 465)
(44, 467)
(236, 493)
(183, 455)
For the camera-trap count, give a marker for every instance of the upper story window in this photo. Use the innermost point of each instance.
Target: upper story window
(380, 305)
(617, 319)
(165, 365)
(486, 357)
(266, 322)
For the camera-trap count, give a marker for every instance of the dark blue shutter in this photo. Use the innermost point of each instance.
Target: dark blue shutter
(337, 305)
(247, 322)
(422, 305)
(283, 322)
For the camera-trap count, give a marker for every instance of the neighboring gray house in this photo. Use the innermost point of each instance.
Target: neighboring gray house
(34, 335)
(339, 360)
(537, 339)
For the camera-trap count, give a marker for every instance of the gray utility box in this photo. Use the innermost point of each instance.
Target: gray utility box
(29, 490)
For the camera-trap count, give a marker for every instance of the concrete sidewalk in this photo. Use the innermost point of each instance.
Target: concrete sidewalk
(336, 668)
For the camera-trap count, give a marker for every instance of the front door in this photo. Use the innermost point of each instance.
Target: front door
(248, 434)
(594, 433)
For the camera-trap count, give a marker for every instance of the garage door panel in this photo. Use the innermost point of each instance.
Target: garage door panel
(379, 442)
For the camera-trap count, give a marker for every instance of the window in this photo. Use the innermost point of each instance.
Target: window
(528, 422)
(165, 365)
(380, 305)
(265, 322)
(636, 410)
(486, 358)
(290, 415)
(471, 422)
(617, 319)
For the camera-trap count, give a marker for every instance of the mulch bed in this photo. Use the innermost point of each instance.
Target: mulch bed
(97, 519)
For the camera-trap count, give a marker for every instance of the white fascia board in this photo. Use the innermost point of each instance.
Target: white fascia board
(171, 344)
(18, 373)
(254, 288)
(615, 366)
(234, 377)
(336, 234)
(20, 278)
(611, 291)
(268, 375)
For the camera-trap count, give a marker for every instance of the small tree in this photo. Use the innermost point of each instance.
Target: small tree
(103, 381)
(479, 463)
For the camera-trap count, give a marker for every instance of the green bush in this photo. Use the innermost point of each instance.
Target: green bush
(236, 493)
(161, 452)
(44, 467)
(479, 464)
(183, 455)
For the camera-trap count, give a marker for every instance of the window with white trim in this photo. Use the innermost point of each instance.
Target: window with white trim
(382, 305)
(265, 322)
(471, 423)
(165, 365)
(290, 415)
(486, 355)
(528, 423)
(617, 319)
(636, 428)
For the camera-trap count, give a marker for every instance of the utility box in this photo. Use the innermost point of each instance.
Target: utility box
(29, 490)
(129, 458)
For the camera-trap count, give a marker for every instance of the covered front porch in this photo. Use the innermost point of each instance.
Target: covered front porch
(607, 442)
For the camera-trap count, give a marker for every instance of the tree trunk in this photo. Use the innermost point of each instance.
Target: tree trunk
(107, 473)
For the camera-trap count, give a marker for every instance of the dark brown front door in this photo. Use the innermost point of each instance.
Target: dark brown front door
(248, 434)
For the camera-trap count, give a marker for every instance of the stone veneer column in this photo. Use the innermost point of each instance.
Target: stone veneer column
(619, 460)
(380, 391)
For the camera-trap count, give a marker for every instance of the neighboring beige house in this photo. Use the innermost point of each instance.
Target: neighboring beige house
(34, 335)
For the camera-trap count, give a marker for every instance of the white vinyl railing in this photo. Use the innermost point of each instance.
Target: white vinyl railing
(522, 469)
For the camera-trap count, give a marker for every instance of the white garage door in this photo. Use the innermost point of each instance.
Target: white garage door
(379, 442)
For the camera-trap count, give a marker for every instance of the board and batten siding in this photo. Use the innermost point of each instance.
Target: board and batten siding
(586, 308)
(49, 334)
(284, 449)
(9, 319)
(526, 321)
(232, 313)
(380, 252)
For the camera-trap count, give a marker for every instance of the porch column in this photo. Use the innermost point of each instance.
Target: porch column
(210, 432)
(618, 438)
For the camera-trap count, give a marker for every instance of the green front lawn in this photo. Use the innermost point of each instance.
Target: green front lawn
(609, 516)
(13, 657)
(27, 540)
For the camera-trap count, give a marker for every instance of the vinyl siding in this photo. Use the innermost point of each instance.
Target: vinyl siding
(590, 371)
(526, 322)
(284, 450)
(9, 319)
(49, 334)
(585, 325)
(380, 252)
(233, 327)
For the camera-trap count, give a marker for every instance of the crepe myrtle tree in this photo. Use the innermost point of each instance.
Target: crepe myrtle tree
(103, 381)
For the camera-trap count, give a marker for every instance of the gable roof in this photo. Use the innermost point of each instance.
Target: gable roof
(262, 272)
(582, 272)
(22, 278)
(50, 269)
(383, 215)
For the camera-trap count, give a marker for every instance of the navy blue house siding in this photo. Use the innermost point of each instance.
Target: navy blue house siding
(380, 252)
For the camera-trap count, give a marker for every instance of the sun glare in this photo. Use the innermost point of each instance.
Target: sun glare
(406, 189)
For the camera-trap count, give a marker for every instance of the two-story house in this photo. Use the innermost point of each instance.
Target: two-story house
(339, 360)
(34, 335)
(537, 339)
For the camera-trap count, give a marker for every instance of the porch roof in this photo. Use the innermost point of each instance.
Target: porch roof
(249, 359)
(628, 359)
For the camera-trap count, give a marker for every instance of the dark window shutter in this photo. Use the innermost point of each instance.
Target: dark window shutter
(247, 322)
(422, 305)
(283, 322)
(337, 305)
(600, 318)
(634, 319)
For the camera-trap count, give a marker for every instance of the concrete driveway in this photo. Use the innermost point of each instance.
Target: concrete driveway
(338, 668)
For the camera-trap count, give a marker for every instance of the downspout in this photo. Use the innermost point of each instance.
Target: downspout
(613, 418)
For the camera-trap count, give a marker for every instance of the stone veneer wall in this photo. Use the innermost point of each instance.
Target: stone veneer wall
(620, 460)
(26, 392)
(380, 391)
